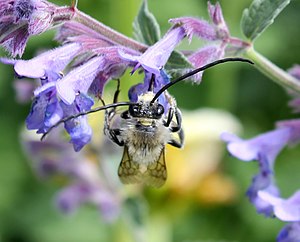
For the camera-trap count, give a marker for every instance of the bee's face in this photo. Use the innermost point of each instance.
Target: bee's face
(146, 110)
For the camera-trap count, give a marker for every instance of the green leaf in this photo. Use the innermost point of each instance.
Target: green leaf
(177, 61)
(145, 26)
(260, 15)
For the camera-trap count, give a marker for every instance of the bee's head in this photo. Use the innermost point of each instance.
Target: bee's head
(146, 110)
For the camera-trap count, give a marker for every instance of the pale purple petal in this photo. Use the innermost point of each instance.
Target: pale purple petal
(53, 113)
(79, 79)
(194, 26)
(54, 60)
(264, 180)
(157, 55)
(284, 209)
(294, 126)
(70, 198)
(40, 21)
(204, 56)
(19, 19)
(290, 233)
(217, 18)
(78, 33)
(15, 40)
(269, 144)
(24, 90)
(43, 88)
(78, 128)
(295, 71)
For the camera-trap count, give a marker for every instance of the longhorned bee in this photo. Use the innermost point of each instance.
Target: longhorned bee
(144, 131)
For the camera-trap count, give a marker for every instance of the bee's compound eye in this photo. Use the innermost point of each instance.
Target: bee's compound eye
(160, 109)
(133, 109)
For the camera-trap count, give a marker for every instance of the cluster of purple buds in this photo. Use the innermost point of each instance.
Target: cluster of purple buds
(72, 75)
(84, 181)
(263, 192)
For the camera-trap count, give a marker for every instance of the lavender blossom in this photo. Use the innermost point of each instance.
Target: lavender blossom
(155, 57)
(79, 130)
(204, 56)
(19, 19)
(79, 79)
(216, 16)
(47, 65)
(290, 233)
(284, 209)
(54, 157)
(264, 149)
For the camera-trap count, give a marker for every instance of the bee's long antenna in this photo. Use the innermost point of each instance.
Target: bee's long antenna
(112, 105)
(181, 78)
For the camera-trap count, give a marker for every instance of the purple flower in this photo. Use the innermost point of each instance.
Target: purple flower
(140, 88)
(290, 233)
(79, 79)
(204, 56)
(71, 197)
(217, 18)
(19, 19)
(45, 111)
(194, 26)
(78, 33)
(55, 157)
(264, 149)
(156, 56)
(295, 71)
(284, 209)
(78, 128)
(47, 65)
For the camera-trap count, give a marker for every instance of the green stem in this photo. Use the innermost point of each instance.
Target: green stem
(108, 32)
(272, 71)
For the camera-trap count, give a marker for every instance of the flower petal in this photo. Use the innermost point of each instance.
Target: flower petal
(79, 79)
(290, 233)
(284, 209)
(192, 26)
(53, 60)
(269, 144)
(78, 128)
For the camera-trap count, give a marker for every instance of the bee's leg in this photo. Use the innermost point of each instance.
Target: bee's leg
(125, 115)
(170, 117)
(178, 125)
(113, 134)
(112, 112)
(176, 143)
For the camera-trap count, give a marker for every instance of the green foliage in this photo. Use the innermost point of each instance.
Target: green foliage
(147, 30)
(145, 26)
(260, 15)
(177, 62)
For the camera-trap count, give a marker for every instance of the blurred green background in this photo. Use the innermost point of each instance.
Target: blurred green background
(27, 212)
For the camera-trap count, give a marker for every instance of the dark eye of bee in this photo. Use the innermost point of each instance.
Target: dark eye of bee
(134, 110)
(160, 110)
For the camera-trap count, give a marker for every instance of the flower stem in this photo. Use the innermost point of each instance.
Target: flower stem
(108, 32)
(272, 71)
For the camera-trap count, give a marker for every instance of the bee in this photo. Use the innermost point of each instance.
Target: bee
(144, 131)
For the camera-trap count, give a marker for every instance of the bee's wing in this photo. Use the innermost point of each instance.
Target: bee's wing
(156, 173)
(129, 171)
